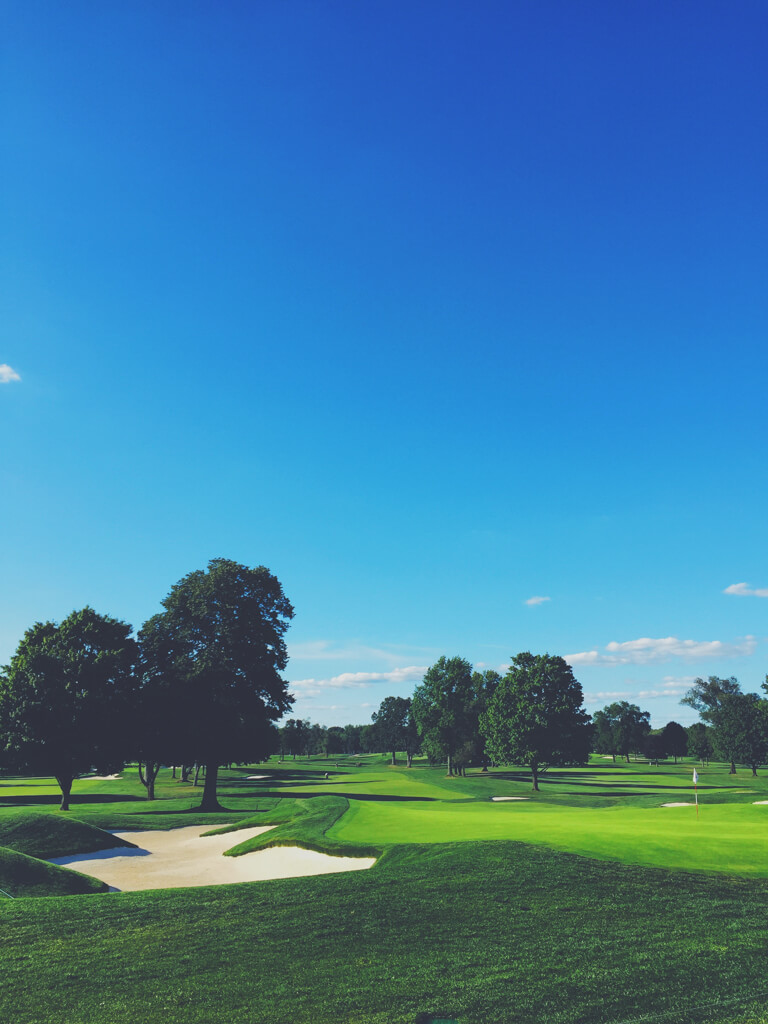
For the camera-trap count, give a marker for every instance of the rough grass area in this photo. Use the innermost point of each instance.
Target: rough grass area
(487, 933)
(53, 835)
(21, 875)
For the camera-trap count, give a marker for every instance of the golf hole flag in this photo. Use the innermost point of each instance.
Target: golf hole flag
(696, 789)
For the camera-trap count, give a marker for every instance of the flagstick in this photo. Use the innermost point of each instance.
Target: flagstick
(696, 791)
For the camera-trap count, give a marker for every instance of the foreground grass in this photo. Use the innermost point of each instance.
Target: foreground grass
(483, 932)
(475, 930)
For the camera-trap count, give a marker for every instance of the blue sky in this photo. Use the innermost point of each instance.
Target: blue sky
(432, 308)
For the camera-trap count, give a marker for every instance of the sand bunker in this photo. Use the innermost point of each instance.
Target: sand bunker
(497, 799)
(180, 857)
(760, 801)
(253, 778)
(678, 805)
(102, 778)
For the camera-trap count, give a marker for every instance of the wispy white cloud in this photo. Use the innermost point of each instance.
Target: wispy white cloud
(536, 599)
(7, 374)
(356, 680)
(745, 590)
(325, 650)
(646, 650)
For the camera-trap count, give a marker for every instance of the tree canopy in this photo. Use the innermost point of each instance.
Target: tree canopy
(442, 708)
(620, 728)
(66, 698)
(395, 728)
(536, 716)
(219, 646)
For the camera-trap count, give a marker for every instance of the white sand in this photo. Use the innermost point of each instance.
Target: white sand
(252, 778)
(677, 805)
(497, 799)
(760, 801)
(180, 857)
(102, 778)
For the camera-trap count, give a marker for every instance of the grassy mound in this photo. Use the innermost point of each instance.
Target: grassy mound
(303, 823)
(21, 875)
(52, 835)
(487, 933)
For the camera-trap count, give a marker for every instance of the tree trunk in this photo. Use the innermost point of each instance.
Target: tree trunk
(174, 772)
(210, 803)
(197, 773)
(65, 785)
(754, 769)
(450, 770)
(733, 768)
(393, 758)
(535, 776)
(408, 759)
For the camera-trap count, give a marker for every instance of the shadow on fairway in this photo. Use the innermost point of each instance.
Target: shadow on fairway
(383, 797)
(75, 800)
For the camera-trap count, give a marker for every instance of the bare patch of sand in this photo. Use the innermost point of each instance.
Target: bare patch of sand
(184, 857)
(498, 799)
(678, 805)
(760, 801)
(253, 778)
(102, 778)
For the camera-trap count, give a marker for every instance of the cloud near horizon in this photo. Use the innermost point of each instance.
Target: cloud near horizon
(647, 650)
(7, 374)
(536, 599)
(356, 680)
(745, 590)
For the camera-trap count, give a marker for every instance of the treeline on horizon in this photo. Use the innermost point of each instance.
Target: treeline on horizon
(456, 719)
(201, 684)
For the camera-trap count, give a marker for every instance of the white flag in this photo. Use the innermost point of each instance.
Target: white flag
(695, 776)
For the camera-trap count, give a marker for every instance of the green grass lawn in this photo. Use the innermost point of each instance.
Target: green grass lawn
(587, 904)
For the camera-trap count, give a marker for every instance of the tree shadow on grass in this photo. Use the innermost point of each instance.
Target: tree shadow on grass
(76, 800)
(384, 797)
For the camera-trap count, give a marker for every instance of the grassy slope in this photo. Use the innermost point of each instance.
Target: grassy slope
(485, 932)
(21, 875)
(48, 835)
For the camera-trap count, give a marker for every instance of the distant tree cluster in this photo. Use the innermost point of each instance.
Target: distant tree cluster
(734, 726)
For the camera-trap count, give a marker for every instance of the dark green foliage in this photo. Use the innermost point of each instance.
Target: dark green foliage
(49, 835)
(740, 729)
(700, 741)
(705, 694)
(218, 648)
(620, 728)
(66, 698)
(536, 716)
(675, 739)
(443, 708)
(395, 727)
(21, 875)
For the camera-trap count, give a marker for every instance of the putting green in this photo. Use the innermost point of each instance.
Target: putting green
(726, 837)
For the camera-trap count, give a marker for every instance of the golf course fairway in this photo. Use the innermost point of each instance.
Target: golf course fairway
(726, 837)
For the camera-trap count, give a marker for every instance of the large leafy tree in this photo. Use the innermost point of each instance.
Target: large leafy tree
(675, 740)
(706, 696)
(740, 729)
(395, 728)
(536, 716)
(218, 645)
(620, 728)
(700, 741)
(66, 698)
(443, 709)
